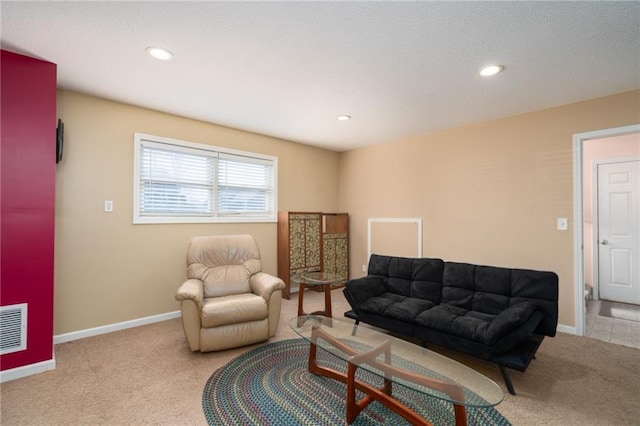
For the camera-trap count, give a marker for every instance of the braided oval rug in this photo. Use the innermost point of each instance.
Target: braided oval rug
(271, 385)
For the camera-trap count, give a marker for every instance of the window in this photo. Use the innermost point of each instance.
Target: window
(185, 182)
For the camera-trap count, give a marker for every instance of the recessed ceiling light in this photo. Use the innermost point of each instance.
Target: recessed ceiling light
(343, 117)
(160, 53)
(491, 70)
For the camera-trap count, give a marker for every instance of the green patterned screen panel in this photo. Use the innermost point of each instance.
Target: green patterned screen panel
(336, 255)
(313, 242)
(304, 242)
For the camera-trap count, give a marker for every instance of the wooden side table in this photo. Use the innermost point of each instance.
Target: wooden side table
(313, 279)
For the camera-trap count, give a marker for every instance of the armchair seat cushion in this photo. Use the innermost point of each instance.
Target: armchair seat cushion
(233, 309)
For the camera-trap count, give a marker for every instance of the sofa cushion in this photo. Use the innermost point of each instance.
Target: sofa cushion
(400, 286)
(426, 280)
(379, 304)
(489, 303)
(457, 284)
(396, 306)
(492, 289)
(484, 289)
(419, 278)
(441, 317)
(477, 326)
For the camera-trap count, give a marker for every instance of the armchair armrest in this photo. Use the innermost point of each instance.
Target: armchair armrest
(191, 289)
(264, 284)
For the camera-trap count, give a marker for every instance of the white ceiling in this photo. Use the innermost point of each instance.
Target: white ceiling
(287, 69)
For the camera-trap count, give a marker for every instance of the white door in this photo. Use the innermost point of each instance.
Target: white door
(619, 231)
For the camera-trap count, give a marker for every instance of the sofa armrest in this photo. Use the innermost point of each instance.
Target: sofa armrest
(360, 290)
(264, 284)
(512, 318)
(191, 289)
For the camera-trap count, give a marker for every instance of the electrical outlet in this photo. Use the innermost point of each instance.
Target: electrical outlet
(563, 224)
(364, 268)
(108, 206)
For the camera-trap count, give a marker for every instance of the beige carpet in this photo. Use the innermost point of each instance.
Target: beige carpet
(147, 376)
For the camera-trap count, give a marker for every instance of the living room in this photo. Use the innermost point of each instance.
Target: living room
(488, 191)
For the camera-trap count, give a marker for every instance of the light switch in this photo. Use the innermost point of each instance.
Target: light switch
(108, 206)
(563, 224)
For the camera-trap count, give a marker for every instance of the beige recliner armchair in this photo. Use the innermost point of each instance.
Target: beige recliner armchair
(227, 301)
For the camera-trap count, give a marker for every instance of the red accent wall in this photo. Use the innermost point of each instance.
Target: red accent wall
(27, 199)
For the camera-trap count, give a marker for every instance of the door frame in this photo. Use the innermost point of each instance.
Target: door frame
(595, 255)
(578, 215)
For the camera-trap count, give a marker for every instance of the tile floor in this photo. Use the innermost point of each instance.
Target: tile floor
(614, 330)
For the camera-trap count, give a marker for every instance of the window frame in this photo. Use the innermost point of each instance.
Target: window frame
(216, 217)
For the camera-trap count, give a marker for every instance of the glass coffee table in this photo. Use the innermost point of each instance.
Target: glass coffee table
(396, 362)
(314, 279)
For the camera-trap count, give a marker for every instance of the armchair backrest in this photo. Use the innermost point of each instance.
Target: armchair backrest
(224, 263)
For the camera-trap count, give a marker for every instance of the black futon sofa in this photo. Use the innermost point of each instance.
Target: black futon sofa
(497, 314)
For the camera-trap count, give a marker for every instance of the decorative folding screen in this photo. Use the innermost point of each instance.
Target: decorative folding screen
(310, 241)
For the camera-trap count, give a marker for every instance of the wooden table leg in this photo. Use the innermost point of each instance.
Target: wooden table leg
(301, 288)
(327, 300)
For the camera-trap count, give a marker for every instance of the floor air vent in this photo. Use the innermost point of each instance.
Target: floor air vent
(13, 328)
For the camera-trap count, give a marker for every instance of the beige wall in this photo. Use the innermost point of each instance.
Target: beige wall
(109, 270)
(400, 238)
(594, 150)
(488, 193)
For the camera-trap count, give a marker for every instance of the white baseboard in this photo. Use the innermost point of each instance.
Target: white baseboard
(27, 370)
(566, 329)
(96, 331)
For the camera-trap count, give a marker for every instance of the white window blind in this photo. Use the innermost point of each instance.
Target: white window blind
(178, 181)
(175, 182)
(245, 186)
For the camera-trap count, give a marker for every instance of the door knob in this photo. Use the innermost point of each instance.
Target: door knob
(604, 242)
